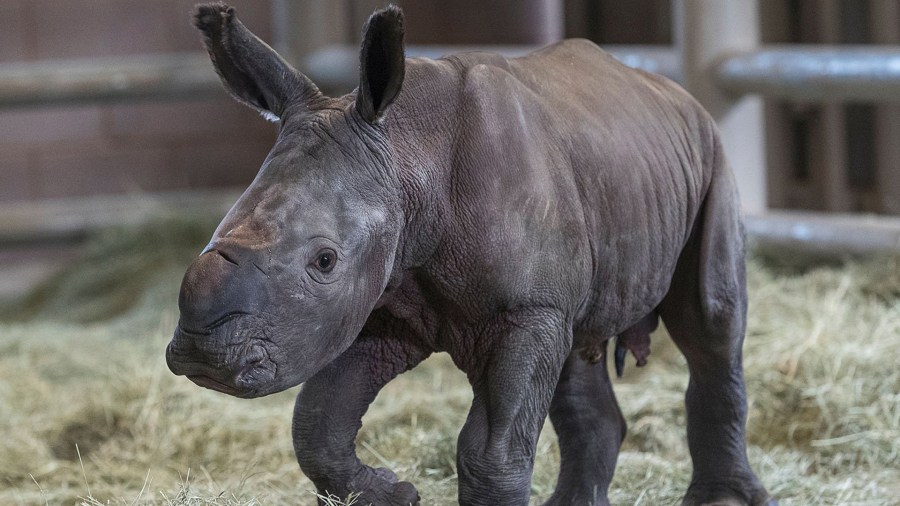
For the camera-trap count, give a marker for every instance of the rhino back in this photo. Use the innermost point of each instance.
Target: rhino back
(640, 154)
(569, 180)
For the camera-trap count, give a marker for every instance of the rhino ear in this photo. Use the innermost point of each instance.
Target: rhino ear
(381, 63)
(250, 70)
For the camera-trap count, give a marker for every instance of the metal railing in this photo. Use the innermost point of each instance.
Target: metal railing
(71, 220)
(815, 73)
(803, 73)
(191, 75)
(157, 77)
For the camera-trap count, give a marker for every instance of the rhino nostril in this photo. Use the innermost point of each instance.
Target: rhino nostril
(227, 256)
(218, 322)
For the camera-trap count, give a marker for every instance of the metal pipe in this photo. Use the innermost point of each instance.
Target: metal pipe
(704, 31)
(49, 82)
(663, 60)
(808, 74)
(821, 233)
(190, 75)
(68, 220)
(335, 68)
(814, 73)
(72, 219)
(300, 27)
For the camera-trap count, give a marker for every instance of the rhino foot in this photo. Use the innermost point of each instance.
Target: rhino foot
(382, 488)
(726, 495)
(568, 500)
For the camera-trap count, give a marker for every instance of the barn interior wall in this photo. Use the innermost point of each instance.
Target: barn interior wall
(841, 157)
(823, 157)
(80, 150)
(832, 156)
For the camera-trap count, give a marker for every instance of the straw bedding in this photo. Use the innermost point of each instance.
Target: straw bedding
(90, 414)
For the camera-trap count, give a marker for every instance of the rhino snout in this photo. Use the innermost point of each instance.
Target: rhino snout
(219, 285)
(216, 343)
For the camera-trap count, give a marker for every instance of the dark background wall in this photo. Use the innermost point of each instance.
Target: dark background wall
(73, 151)
(821, 156)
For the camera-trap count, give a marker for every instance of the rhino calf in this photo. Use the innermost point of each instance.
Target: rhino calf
(516, 213)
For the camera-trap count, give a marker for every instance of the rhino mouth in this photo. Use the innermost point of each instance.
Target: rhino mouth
(250, 381)
(242, 369)
(212, 384)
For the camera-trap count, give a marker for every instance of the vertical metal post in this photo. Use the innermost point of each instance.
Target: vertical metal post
(553, 27)
(831, 173)
(705, 32)
(300, 27)
(885, 30)
(775, 26)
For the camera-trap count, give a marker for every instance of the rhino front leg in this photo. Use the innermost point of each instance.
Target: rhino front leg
(328, 415)
(513, 384)
(590, 428)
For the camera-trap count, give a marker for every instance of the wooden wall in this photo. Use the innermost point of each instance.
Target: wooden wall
(836, 157)
(833, 156)
(79, 150)
(823, 157)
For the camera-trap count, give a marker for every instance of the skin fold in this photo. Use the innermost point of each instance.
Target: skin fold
(516, 213)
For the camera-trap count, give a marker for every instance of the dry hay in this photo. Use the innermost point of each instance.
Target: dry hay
(90, 414)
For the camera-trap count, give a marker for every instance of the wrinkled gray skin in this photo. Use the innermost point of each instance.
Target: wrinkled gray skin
(514, 213)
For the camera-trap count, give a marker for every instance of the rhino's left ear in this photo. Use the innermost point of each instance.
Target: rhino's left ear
(381, 63)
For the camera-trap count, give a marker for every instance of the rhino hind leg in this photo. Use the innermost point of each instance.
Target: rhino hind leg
(705, 313)
(590, 428)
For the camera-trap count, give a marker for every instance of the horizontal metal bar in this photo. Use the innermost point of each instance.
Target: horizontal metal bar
(663, 60)
(335, 68)
(815, 73)
(806, 73)
(190, 75)
(53, 221)
(70, 219)
(52, 82)
(822, 233)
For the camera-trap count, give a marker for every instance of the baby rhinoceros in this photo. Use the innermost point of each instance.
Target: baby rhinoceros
(515, 213)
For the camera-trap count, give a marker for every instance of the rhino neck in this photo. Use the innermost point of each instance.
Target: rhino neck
(422, 127)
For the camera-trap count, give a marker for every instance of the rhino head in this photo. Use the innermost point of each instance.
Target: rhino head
(297, 265)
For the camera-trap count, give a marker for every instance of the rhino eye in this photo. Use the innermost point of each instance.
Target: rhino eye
(325, 260)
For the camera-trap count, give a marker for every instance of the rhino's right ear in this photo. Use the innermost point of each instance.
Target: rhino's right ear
(251, 70)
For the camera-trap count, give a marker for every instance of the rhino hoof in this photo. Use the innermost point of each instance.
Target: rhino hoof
(384, 489)
(401, 493)
(725, 496)
(404, 494)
